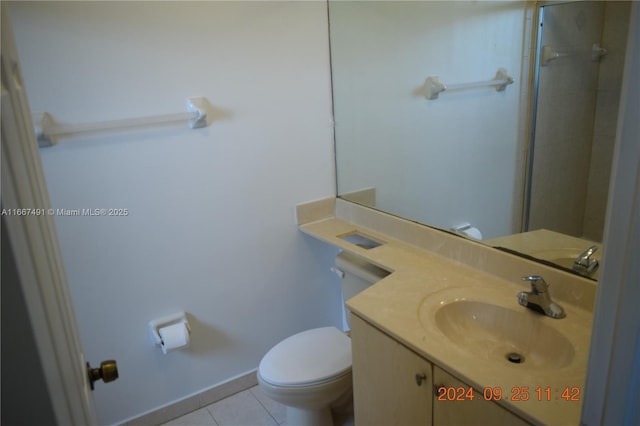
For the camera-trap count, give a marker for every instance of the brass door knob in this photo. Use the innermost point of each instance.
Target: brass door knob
(108, 372)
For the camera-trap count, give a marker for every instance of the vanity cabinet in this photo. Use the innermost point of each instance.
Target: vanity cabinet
(392, 385)
(448, 410)
(395, 386)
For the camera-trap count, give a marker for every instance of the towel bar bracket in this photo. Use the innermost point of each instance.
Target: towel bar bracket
(197, 104)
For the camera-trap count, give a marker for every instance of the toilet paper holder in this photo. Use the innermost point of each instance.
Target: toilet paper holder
(156, 324)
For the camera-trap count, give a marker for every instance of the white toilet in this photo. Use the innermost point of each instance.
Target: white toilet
(310, 372)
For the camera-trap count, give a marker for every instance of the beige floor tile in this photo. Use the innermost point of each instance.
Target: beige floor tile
(277, 410)
(242, 409)
(201, 417)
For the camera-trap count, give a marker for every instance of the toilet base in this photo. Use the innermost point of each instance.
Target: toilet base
(312, 405)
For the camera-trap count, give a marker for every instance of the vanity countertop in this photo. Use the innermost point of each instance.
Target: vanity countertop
(395, 303)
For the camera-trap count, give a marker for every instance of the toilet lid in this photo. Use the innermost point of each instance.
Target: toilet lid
(309, 357)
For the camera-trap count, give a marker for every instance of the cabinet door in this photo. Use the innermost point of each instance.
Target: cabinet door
(458, 409)
(392, 385)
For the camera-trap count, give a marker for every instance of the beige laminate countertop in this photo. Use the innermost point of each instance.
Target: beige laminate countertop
(395, 305)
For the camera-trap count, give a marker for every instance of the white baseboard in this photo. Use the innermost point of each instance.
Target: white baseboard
(195, 401)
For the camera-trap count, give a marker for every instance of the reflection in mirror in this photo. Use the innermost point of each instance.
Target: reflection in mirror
(446, 161)
(533, 157)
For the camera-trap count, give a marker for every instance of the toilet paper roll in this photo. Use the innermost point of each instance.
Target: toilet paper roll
(472, 232)
(175, 336)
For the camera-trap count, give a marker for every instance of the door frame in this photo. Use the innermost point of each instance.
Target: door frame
(36, 249)
(612, 391)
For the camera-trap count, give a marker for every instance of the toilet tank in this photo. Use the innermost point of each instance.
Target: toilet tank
(356, 275)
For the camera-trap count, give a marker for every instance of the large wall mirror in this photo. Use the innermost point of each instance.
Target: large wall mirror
(495, 120)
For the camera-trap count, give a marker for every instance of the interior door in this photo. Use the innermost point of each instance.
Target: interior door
(34, 245)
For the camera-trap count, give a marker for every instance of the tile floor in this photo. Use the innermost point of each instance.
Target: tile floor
(246, 408)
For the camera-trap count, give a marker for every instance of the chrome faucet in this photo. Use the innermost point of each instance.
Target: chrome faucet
(539, 299)
(583, 264)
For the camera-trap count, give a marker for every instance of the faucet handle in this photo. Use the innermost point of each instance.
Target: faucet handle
(586, 255)
(584, 259)
(538, 284)
(584, 264)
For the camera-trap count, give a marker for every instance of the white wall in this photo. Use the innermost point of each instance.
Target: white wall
(455, 159)
(210, 228)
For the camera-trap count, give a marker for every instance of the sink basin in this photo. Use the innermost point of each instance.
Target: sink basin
(496, 328)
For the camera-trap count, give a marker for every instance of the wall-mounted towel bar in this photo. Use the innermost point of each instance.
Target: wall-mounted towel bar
(48, 131)
(434, 87)
(548, 54)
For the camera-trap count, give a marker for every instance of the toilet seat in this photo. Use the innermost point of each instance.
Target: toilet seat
(307, 358)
